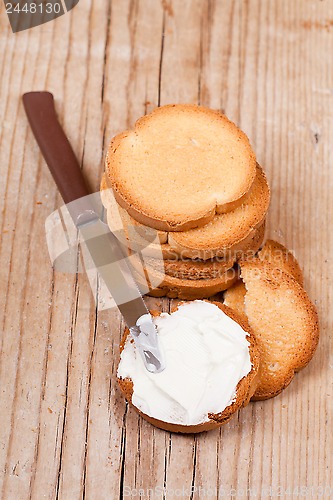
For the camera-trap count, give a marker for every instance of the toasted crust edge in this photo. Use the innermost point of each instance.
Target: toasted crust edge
(176, 241)
(192, 289)
(291, 266)
(174, 249)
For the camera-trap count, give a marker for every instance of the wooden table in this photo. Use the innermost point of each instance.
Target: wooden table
(65, 430)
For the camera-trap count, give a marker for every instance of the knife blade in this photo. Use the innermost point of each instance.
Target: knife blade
(102, 245)
(112, 265)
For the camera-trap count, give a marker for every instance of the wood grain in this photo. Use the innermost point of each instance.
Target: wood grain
(65, 430)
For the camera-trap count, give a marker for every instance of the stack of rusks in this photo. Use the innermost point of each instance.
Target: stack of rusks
(185, 195)
(185, 189)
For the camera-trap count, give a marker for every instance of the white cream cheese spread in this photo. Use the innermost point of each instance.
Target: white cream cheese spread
(206, 355)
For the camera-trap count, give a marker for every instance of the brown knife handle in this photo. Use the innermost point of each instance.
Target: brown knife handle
(57, 151)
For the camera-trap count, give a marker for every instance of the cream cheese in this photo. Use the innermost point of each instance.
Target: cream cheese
(206, 355)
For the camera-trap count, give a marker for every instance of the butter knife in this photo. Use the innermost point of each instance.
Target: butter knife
(103, 246)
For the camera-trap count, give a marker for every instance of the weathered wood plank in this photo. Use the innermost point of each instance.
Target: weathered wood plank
(65, 429)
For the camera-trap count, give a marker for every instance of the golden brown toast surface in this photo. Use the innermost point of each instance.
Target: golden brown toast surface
(285, 322)
(180, 166)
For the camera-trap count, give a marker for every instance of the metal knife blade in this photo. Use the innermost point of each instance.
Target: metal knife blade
(110, 261)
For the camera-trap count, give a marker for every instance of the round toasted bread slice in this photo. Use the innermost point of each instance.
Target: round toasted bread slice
(284, 322)
(179, 416)
(281, 262)
(163, 285)
(193, 269)
(223, 236)
(180, 166)
(242, 249)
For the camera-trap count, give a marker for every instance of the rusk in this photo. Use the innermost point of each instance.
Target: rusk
(283, 319)
(224, 235)
(180, 166)
(194, 269)
(285, 324)
(163, 285)
(244, 391)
